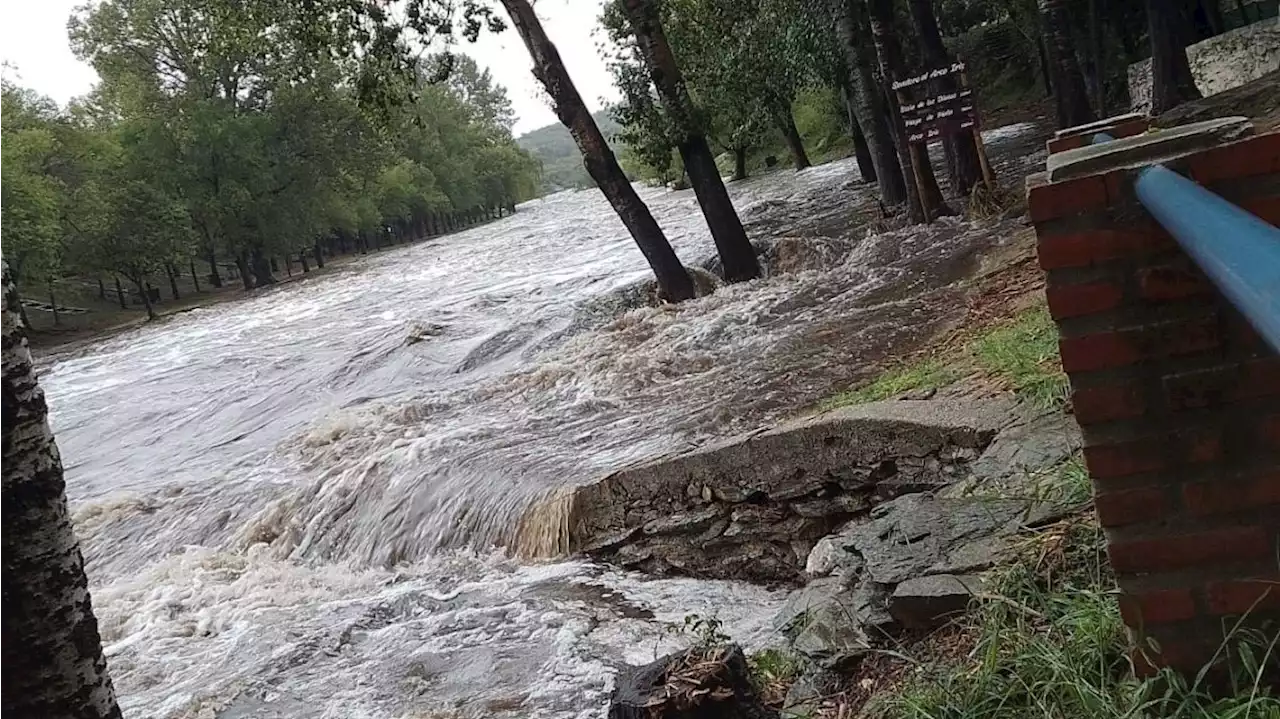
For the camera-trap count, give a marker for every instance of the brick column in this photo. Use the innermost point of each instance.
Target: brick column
(1177, 397)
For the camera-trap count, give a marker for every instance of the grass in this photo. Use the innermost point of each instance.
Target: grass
(1021, 354)
(928, 373)
(773, 671)
(1024, 355)
(1049, 642)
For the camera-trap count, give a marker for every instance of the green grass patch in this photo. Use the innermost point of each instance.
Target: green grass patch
(928, 373)
(1049, 642)
(1024, 354)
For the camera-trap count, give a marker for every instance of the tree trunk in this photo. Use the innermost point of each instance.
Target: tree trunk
(739, 164)
(673, 281)
(53, 306)
(242, 266)
(144, 289)
(102, 289)
(120, 294)
(736, 253)
(1096, 55)
(214, 277)
(861, 153)
(1046, 74)
(195, 279)
(889, 51)
(868, 102)
(302, 259)
(262, 269)
(1171, 80)
(319, 256)
(173, 280)
(963, 167)
(52, 653)
(288, 265)
(1069, 94)
(787, 123)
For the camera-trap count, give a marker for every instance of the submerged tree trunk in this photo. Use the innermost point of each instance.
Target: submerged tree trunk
(52, 653)
(787, 123)
(1171, 80)
(868, 102)
(242, 266)
(736, 253)
(1070, 97)
(963, 167)
(673, 281)
(922, 191)
(739, 164)
(120, 294)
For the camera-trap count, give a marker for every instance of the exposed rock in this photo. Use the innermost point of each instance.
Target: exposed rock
(809, 690)
(754, 506)
(930, 602)
(694, 684)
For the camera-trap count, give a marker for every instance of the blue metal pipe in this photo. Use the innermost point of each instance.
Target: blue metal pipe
(1239, 252)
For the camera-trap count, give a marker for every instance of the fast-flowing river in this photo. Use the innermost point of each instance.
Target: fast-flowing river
(295, 505)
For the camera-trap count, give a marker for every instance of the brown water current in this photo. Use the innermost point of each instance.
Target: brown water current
(291, 510)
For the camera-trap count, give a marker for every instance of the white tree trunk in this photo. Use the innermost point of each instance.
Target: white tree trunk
(52, 654)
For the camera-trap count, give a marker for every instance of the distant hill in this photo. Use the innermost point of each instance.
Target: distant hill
(561, 162)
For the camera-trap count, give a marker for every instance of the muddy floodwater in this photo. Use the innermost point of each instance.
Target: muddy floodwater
(297, 505)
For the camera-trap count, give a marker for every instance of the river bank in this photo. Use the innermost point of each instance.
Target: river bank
(288, 508)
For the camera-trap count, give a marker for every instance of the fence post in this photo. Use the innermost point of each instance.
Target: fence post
(1177, 397)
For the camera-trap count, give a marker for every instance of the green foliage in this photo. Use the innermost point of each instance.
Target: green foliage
(703, 632)
(217, 131)
(1050, 643)
(1024, 354)
(926, 373)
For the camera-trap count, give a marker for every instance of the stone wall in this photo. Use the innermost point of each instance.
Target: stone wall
(1219, 63)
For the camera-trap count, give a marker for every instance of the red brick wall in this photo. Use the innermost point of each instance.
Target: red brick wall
(1178, 401)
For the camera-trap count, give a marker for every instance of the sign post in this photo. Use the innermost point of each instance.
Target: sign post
(939, 114)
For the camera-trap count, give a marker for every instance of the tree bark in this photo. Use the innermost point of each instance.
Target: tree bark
(868, 102)
(319, 256)
(173, 280)
(861, 153)
(102, 289)
(1046, 74)
(739, 164)
(52, 653)
(889, 51)
(53, 307)
(195, 279)
(1171, 80)
(673, 281)
(736, 253)
(120, 294)
(144, 289)
(261, 268)
(963, 167)
(302, 259)
(787, 122)
(1071, 100)
(214, 277)
(1096, 55)
(242, 265)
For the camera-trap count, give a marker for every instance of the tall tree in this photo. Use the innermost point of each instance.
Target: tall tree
(1171, 80)
(868, 101)
(961, 154)
(736, 252)
(53, 664)
(1070, 97)
(922, 185)
(673, 280)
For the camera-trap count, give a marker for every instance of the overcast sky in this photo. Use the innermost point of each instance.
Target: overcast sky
(33, 38)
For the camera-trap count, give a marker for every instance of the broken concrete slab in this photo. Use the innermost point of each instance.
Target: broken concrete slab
(753, 507)
(1146, 149)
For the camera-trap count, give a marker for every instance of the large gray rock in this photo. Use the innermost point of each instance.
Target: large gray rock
(754, 506)
(929, 602)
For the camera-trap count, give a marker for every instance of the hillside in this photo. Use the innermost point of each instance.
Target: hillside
(561, 162)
